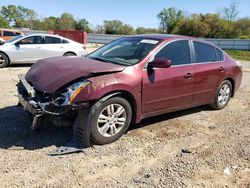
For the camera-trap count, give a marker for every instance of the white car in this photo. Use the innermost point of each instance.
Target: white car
(30, 48)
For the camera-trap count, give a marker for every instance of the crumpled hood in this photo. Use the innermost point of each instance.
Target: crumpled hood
(48, 75)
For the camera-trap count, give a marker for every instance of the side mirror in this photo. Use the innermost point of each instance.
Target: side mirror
(160, 63)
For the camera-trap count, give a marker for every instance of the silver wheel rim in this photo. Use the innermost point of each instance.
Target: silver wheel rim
(224, 95)
(111, 120)
(2, 60)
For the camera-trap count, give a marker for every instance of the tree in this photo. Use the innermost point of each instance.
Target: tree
(243, 25)
(19, 16)
(203, 25)
(83, 25)
(143, 30)
(117, 27)
(230, 14)
(3, 23)
(12, 15)
(66, 22)
(50, 23)
(170, 19)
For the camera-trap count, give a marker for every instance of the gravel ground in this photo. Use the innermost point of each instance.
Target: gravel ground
(190, 148)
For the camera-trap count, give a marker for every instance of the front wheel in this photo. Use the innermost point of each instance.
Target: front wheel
(4, 61)
(110, 120)
(223, 95)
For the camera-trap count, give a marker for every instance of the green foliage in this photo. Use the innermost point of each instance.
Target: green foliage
(170, 20)
(3, 22)
(19, 16)
(66, 22)
(143, 30)
(239, 54)
(49, 23)
(83, 25)
(117, 27)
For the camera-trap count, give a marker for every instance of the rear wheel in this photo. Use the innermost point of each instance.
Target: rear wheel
(69, 54)
(4, 61)
(110, 120)
(223, 95)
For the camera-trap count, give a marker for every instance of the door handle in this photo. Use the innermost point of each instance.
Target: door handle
(61, 47)
(221, 69)
(188, 75)
(38, 47)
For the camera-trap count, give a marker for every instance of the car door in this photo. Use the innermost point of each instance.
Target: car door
(165, 89)
(53, 47)
(209, 69)
(28, 50)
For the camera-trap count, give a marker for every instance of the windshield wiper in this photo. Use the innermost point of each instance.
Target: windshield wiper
(99, 59)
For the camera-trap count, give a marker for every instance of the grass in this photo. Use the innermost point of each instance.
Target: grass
(239, 54)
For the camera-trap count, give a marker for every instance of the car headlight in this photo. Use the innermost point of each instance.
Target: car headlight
(67, 97)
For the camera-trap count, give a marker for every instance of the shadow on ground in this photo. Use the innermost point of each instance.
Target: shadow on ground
(15, 131)
(15, 128)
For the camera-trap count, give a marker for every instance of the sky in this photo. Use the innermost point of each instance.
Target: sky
(133, 12)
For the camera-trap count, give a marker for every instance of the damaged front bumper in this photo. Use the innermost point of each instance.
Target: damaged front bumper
(41, 104)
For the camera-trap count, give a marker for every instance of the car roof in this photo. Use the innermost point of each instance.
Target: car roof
(159, 36)
(11, 30)
(164, 37)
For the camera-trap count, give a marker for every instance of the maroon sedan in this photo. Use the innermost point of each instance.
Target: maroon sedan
(127, 80)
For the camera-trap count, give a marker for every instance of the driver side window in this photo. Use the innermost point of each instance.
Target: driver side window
(178, 52)
(32, 40)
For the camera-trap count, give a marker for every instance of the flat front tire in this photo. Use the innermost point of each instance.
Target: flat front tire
(110, 120)
(223, 95)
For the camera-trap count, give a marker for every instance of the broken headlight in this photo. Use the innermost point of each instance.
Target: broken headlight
(68, 96)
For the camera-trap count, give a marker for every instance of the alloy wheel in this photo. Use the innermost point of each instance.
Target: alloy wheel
(111, 120)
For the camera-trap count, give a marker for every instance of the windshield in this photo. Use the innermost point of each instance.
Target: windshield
(14, 38)
(125, 51)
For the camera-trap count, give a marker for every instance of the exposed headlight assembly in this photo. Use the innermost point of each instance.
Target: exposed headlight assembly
(67, 98)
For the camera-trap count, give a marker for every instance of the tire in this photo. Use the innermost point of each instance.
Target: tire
(69, 54)
(223, 95)
(105, 127)
(4, 61)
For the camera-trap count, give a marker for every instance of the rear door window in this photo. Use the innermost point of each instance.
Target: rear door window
(52, 40)
(178, 52)
(219, 55)
(204, 52)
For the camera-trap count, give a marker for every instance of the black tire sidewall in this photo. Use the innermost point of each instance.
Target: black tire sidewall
(69, 54)
(95, 135)
(6, 60)
(218, 106)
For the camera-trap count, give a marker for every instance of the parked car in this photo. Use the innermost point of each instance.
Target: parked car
(127, 80)
(30, 48)
(7, 34)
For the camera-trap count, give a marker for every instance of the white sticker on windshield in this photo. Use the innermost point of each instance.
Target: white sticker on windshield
(148, 41)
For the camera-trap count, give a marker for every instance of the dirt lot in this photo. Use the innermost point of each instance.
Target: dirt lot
(191, 148)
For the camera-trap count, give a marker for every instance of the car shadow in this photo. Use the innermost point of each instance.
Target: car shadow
(15, 128)
(15, 131)
(19, 65)
(168, 116)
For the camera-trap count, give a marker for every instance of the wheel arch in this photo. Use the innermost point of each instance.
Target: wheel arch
(69, 52)
(126, 95)
(231, 80)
